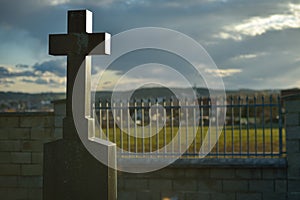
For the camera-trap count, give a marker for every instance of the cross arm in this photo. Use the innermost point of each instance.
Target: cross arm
(79, 44)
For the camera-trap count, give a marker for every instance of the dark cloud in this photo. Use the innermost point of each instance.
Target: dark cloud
(5, 73)
(42, 81)
(22, 66)
(6, 82)
(57, 67)
(198, 19)
(27, 80)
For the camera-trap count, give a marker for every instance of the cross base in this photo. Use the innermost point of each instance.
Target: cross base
(72, 173)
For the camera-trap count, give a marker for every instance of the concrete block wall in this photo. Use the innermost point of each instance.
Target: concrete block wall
(21, 153)
(205, 183)
(292, 105)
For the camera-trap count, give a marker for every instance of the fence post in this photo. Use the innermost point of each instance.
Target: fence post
(292, 105)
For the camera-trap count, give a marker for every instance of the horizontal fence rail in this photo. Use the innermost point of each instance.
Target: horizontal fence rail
(253, 127)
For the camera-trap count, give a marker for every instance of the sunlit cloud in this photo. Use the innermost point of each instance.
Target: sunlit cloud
(223, 72)
(58, 2)
(248, 56)
(256, 26)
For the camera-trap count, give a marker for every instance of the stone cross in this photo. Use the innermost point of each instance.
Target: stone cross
(70, 171)
(76, 45)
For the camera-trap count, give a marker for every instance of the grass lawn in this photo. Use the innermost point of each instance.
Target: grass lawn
(233, 141)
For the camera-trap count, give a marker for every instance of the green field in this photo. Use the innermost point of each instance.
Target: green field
(237, 140)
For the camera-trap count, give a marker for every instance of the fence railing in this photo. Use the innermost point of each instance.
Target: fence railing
(253, 127)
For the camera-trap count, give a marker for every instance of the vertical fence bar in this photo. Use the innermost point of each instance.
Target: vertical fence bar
(217, 126)
(195, 127)
(240, 124)
(201, 125)
(225, 127)
(107, 120)
(157, 127)
(271, 125)
(280, 125)
(179, 127)
(209, 129)
(232, 125)
(114, 124)
(143, 125)
(150, 127)
(165, 127)
(121, 126)
(263, 126)
(172, 123)
(100, 120)
(128, 125)
(135, 127)
(255, 125)
(186, 124)
(248, 137)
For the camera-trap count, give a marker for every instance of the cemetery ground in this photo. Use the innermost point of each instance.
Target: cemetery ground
(234, 141)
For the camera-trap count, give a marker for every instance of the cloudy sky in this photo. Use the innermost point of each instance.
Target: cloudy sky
(255, 44)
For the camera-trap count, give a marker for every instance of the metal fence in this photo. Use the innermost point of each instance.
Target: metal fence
(253, 127)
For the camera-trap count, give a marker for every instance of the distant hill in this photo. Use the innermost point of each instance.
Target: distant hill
(17, 101)
(146, 93)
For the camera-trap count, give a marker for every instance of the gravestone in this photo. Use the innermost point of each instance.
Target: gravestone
(70, 171)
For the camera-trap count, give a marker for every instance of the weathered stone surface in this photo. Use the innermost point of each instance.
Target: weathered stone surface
(197, 173)
(10, 169)
(249, 196)
(8, 181)
(147, 195)
(248, 173)
(222, 173)
(125, 195)
(32, 146)
(13, 193)
(4, 157)
(292, 106)
(274, 173)
(292, 119)
(293, 133)
(293, 146)
(136, 184)
(281, 186)
(9, 121)
(209, 185)
(157, 184)
(72, 173)
(32, 170)
(17, 133)
(37, 158)
(166, 195)
(184, 185)
(235, 186)
(273, 196)
(31, 181)
(293, 172)
(293, 186)
(10, 145)
(293, 151)
(222, 196)
(261, 186)
(293, 196)
(196, 195)
(41, 133)
(36, 121)
(20, 157)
